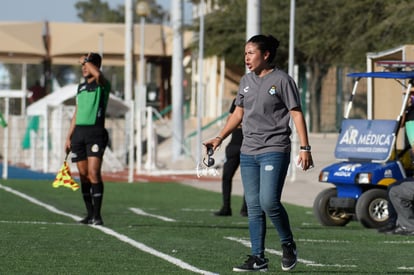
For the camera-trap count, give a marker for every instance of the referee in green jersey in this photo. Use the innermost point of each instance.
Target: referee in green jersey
(87, 137)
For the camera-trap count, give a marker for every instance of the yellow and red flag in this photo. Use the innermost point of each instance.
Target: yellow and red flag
(64, 178)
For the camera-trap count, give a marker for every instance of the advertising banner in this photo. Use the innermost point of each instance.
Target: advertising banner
(366, 139)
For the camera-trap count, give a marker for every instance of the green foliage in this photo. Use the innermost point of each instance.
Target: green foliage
(275, 21)
(225, 29)
(99, 11)
(225, 32)
(330, 32)
(157, 15)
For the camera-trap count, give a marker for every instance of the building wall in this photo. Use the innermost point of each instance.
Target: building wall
(387, 95)
(328, 101)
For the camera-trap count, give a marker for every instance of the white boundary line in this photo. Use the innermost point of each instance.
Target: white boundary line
(141, 212)
(399, 242)
(197, 210)
(113, 233)
(322, 241)
(406, 268)
(279, 253)
(39, 222)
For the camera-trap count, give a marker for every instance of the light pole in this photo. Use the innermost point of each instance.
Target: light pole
(177, 78)
(128, 84)
(200, 82)
(142, 10)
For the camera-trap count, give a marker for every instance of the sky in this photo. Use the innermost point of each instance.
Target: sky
(54, 11)
(50, 10)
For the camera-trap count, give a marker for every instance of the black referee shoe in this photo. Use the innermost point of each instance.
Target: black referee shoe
(86, 220)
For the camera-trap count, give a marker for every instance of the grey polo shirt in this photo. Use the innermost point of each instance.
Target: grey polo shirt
(266, 102)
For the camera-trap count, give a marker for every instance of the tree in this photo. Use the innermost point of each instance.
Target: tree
(226, 29)
(99, 11)
(318, 43)
(340, 33)
(328, 33)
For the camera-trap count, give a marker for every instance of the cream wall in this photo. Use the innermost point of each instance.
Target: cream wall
(388, 94)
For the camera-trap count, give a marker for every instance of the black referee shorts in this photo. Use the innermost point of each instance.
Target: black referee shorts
(88, 141)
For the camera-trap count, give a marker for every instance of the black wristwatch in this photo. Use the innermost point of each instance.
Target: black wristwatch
(305, 148)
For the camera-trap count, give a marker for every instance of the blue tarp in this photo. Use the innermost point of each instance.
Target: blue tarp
(22, 173)
(398, 75)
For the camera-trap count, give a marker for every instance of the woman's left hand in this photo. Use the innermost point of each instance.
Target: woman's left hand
(305, 160)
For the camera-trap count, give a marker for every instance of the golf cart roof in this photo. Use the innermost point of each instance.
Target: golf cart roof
(399, 75)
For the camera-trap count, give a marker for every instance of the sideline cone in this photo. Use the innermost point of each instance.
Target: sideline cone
(64, 178)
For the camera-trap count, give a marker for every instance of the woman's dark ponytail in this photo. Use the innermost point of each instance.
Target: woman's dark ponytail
(266, 43)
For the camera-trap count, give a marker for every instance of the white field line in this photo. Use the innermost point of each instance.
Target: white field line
(113, 233)
(406, 268)
(399, 242)
(197, 210)
(38, 222)
(322, 241)
(141, 212)
(279, 253)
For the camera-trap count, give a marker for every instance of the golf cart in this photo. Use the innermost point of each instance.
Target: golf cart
(368, 163)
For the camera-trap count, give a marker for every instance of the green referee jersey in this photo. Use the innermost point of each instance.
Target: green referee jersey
(91, 101)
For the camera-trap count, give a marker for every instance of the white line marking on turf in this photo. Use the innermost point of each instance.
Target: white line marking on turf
(38, 222)
(113, 233)
(279, 253)
(322, 241)
(197, 210)
(400, 242)
(141, 212)
(35, 201)
(406, 267)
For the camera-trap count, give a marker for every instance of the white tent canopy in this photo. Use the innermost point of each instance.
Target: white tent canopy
(50, 109)
(24, 42)
(66, 95)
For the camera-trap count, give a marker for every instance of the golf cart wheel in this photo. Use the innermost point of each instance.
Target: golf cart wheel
(326, 215)
(372, 208)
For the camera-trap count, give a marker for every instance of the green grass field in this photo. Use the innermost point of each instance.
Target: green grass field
(168, 228)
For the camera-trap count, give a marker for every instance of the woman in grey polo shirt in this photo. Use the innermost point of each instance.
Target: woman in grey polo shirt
(266, 101)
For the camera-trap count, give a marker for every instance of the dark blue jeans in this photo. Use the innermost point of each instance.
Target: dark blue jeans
(263, 178)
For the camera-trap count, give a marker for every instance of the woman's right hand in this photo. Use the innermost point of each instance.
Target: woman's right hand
(67, 146)
(214, 142)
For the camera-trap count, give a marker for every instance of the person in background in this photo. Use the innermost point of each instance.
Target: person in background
(266, 101)
(231, 163)
(87, 137)
(391, 224)
(37, 92)
(407, 121)
(400, 207)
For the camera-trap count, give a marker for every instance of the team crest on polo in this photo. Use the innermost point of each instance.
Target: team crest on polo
(272, 90)
(95, 148)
